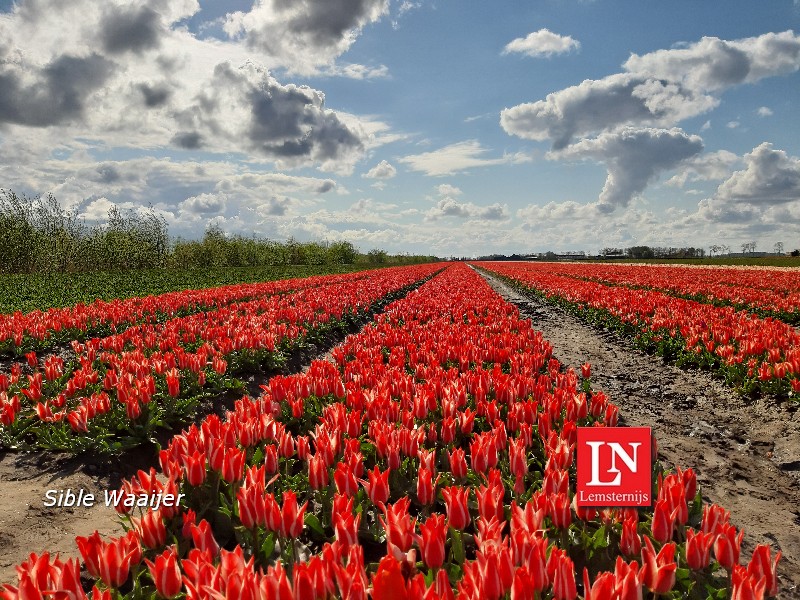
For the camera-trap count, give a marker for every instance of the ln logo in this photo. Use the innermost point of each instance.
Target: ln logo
(615, 466)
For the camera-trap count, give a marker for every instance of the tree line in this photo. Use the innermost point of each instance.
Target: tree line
(38, 236)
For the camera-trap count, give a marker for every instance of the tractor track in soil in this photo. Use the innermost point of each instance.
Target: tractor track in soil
(746, 453)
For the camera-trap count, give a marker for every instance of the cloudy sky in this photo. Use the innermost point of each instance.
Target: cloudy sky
(430, 126)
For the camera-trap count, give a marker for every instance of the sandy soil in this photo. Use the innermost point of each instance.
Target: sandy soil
(746, 453)
(26, 525)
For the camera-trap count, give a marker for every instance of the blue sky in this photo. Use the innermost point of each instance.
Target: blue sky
(442, 127)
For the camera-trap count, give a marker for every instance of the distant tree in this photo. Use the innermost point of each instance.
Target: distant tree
(376, 256)
(640, 252)
(778, 248)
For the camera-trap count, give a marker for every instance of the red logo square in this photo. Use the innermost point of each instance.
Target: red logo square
(615, 466)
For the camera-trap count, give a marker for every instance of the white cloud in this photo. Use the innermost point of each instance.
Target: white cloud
(660, 88)
(634, 157)
(732, 124)
(460, 156)
(706, 126)
(542, 43)
(448, 207)
(764, 111)
(770, 177)
(204, 204)
(445, 189)
(383, 170)
(304, 35)
(706, 167)
(156, 85)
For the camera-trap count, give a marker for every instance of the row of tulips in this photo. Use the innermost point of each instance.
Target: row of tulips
(121, 388)
(753, 354)
(38, 330)
(765, 291)
(433, 458)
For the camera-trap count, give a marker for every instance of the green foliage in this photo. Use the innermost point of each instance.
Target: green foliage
(40, 291)
(38, 236)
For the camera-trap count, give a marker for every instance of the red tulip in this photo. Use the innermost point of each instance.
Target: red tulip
(378, 486)
(166, 574)
(761, 568)
(698, 549)
(630, 543)
(658, 570)
(426, 487)
(292, 515)
(456, 499)
(151, 529)
(663, 522)
(388, 582)
(318, 476)
(434, 532)
(727, 546)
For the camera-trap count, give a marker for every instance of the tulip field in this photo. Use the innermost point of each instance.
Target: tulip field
(431, 454)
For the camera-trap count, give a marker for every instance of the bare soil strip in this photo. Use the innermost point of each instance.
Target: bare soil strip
(746, 453)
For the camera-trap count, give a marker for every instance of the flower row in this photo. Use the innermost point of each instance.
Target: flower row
(767, 292)
(39, 330)
(155, 374)
(753, 354)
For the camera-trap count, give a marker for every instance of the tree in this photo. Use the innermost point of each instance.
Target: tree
(779, 248)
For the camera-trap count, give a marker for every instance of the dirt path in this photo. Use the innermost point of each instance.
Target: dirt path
(746, 454)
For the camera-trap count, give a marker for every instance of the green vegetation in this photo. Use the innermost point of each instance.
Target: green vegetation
(38, 236)
(762, 261)
(27, 292)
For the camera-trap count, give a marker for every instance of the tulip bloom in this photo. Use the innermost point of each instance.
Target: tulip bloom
(455, 499)
(698, 549)
(761, 568)
(434, 532)
(658, 570)
(292, 515)
(631, 542)
(727, 546)
(663, 522)
(378, 486)
(151, 529)
(166, 574)
(388, 582)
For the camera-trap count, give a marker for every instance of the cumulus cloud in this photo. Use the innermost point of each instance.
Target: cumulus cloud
(634, 157)
(446, 189)
(770, 177)
(204, 204)
(449, 207)
(54, 94)
(130, 74)
(657, 89)
(542, 43)
(460, 156)
(383, 170)
(707, 167)
(764, 111)
(306, 33)
(131, 29)
(249, 108)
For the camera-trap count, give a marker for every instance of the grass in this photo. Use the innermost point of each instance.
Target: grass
(27, 292)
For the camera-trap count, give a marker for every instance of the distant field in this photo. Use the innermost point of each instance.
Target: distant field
(48, 290)
(766, 261)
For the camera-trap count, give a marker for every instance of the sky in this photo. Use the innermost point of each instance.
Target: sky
(436, 127)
